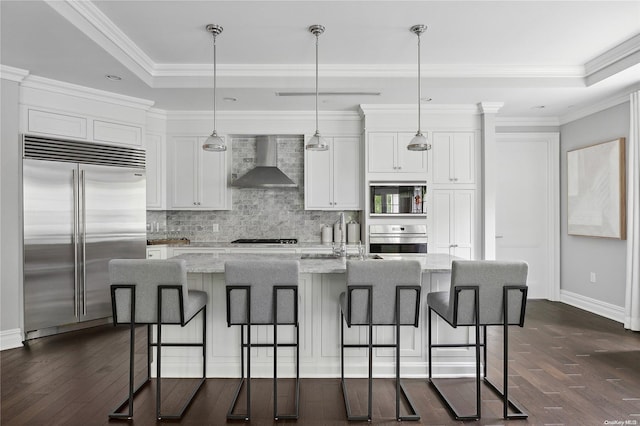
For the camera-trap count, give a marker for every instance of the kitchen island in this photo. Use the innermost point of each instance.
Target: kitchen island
(321, 282)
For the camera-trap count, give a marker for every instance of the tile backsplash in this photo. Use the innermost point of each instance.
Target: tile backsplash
(256, 213)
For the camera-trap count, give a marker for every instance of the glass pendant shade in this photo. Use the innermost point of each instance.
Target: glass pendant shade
(419, 141)
(214, 142)
(316, 143)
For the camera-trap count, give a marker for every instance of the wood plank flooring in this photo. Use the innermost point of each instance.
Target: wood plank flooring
(567, 367)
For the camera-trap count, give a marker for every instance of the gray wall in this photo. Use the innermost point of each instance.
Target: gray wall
(10, 224)
(579, 256)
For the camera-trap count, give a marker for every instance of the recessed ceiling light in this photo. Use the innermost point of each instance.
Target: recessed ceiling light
(230, 99)
(113, 77)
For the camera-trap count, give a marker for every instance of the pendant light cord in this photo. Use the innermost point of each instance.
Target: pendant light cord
(419, 88)
(317, 83)
(214, 82)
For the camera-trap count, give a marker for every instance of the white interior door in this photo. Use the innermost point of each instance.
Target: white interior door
(527, 207)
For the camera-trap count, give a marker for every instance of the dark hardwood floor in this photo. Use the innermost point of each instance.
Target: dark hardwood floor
(567, 367)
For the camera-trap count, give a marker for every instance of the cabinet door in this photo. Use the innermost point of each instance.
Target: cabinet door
(212, 178)
(155, 167)
(441, 147)
(318, 179)
(382, 152)
(346, 173)
(409, 161)
(183, 167)
(463, 223)
(462, 153)
(440, 242)
(453, 157)
(453, 222)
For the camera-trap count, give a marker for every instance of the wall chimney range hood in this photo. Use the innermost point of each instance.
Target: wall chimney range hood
(266, 174)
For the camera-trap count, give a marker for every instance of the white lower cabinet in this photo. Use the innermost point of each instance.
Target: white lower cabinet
(332, 178)
(453, 230)
(156, 252)
(197, 179)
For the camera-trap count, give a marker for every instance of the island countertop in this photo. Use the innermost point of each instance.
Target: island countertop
(214, 262)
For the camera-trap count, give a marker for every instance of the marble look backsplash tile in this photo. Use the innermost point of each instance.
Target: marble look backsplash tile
(256, 213)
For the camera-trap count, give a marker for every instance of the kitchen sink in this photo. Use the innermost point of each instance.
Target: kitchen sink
(320, 256)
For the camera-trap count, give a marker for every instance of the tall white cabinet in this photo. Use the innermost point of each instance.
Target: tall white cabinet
(197, 179)
(453, 217)
(332, 178)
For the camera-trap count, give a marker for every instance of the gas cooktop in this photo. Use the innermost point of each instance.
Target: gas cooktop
(265, 241)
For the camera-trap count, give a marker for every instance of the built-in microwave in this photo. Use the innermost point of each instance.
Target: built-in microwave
(395, 198)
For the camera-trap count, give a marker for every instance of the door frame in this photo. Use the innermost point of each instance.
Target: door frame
(552, 140)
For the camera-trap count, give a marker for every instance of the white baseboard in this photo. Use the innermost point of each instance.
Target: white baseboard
(598, 307)
(10, 339)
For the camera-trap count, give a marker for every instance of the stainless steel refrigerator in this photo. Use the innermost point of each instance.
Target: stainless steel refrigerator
(84, 204)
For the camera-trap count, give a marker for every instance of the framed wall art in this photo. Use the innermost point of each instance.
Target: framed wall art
(596, 190)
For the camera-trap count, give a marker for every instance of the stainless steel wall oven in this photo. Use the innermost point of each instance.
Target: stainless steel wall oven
(398, 239)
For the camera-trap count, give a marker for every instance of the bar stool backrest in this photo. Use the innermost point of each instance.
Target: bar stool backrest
(491, 276)
(147, 275)
(383, 276)
(261, 276)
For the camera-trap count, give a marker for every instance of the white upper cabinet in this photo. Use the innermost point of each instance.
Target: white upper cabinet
(332, 178)
(197, 179)
(387, 153)
(155, 171)
(453, 157)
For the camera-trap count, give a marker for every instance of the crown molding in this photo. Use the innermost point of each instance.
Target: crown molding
(490, 107)
(12, 73)
(612, 61)
(527, 121)
(263, 115)
(60, 87)
(402, 109)
(368, 70)
(157, 113)
(89, 19)
(617, 99)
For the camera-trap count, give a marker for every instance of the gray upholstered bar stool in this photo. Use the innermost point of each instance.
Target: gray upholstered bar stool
(261, 292)
(380, 293)
(482, 291)
(154, 292)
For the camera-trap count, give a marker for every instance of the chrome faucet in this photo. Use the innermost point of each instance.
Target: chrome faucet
(342, 249)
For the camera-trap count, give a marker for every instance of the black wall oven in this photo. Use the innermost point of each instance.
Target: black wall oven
(398, 239)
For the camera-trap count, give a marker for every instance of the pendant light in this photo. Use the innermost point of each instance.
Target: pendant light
(419, 141)
(316, 143)
(214, 142)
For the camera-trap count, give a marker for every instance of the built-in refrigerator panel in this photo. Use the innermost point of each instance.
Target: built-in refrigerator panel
(49, 219)
(113, 202)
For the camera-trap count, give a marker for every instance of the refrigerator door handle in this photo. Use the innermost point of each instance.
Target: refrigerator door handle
(75, 241)
(84, 241)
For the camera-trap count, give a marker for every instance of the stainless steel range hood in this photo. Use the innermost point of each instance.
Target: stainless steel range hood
(266, 174)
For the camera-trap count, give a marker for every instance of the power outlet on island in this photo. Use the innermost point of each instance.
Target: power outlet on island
(215, 228)
(592, 277)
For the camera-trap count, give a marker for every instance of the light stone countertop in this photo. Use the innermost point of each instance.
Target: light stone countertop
(214, 263)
